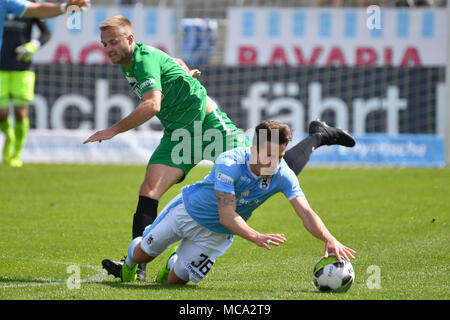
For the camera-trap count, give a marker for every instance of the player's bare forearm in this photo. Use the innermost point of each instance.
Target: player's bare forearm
(43, 10)
(234, 222)
(230, 219)
(144, 112)
(149, 107)
(226, 203)
(310, 219)
(317, 228)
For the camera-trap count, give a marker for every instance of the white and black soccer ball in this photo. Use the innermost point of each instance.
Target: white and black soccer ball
(330, 275)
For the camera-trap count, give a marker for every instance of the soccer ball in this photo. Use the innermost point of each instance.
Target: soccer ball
(333, 276)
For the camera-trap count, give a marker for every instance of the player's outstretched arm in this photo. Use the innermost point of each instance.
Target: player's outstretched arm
(150, 106)
(230, 219)
(49, 10)
(317, 228)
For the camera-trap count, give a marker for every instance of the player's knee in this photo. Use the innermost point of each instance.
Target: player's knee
(139, 256)
(4, 113)
(21, 113)
(136, 253)
(149, 190)
(174, 279)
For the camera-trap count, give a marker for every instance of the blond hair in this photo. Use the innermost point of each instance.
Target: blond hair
(116, 22)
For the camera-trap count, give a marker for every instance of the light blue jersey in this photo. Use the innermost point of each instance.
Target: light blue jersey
(231, 173)
(15, 7)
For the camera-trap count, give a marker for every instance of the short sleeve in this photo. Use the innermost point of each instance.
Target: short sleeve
(227, 172)
(290, 185)
(16, 7)
(148, 73)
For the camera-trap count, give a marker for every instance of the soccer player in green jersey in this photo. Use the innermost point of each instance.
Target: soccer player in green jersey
(176, 98)
(180, 102)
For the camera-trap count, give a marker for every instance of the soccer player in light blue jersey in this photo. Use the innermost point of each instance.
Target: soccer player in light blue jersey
(181, 103)
(26, 9)
(208, 214)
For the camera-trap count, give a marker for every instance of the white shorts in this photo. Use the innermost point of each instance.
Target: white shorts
(199, 247)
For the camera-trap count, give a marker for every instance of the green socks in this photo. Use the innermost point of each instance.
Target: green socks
(15, 140)
(21, 131)
(8, 148)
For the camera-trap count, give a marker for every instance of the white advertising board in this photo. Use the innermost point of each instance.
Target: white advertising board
(336, 37)
(76, 37)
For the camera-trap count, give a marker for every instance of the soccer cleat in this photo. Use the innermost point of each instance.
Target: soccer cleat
(113, 267)
(128, 274)
(330, 135)
(163, 274)
(141, 272)
(16, 162)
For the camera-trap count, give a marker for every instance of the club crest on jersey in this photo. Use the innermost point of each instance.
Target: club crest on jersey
(265, 183)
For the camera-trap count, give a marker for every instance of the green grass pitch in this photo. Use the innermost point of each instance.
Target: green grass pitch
(57, 222)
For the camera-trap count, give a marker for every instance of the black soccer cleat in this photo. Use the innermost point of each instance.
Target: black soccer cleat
(113, 267)
(330, 135)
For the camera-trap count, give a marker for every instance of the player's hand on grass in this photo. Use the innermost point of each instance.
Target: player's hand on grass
(267, 240)
(101, 135)
(334, 246)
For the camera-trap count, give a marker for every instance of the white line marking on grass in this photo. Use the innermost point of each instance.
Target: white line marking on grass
(100, 276)
(34, 284)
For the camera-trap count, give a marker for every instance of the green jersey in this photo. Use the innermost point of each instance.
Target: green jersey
(183, 97)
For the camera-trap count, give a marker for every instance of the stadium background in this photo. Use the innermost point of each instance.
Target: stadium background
(259, 59)
(57, 222)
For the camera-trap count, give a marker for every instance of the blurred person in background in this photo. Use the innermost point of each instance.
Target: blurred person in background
(128, 2)
(328, 3)
(24, 52)
(17, 81)
(412, 3)
(343, 3)
(28, 9)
